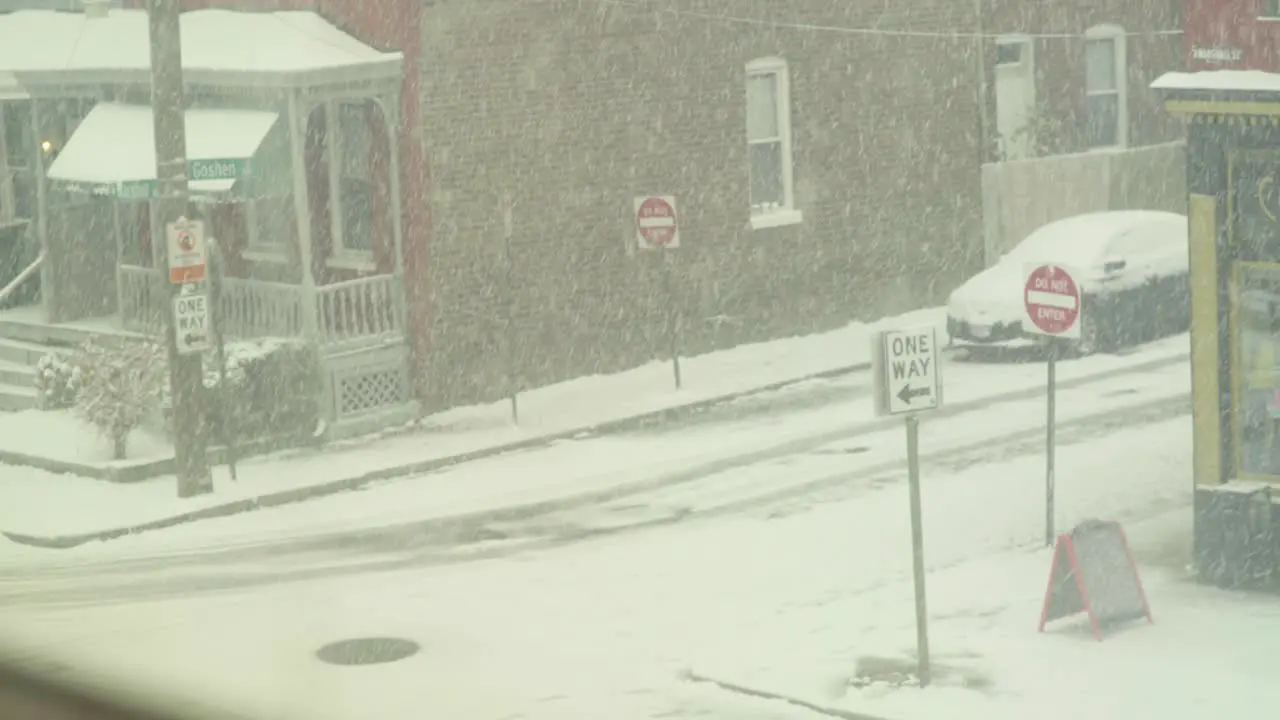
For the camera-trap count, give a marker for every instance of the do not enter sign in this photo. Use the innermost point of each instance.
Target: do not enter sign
(1052, 301)
(656, 223)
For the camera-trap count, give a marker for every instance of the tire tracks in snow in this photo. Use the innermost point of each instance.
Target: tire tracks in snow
(398, 548)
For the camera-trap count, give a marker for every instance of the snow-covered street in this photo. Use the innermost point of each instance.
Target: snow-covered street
(786, 597)
(765, 546)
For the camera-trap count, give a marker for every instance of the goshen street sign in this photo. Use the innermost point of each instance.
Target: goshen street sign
(191, 323)
(905, 371)
(657, 227)
(187, 257)
(218, 168)
(1052, 302)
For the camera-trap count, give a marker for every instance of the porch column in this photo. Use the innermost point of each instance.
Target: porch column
(302, 211)
(391, 117)
(391, 114)
(42, 213)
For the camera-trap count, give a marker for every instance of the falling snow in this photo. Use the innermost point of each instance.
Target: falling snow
(568, 349)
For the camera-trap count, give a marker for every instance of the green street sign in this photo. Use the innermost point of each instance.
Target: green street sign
(218, 169)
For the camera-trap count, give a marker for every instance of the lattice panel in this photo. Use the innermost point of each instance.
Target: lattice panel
(370, 391)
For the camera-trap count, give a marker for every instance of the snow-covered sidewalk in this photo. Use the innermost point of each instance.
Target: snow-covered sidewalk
(1205, 654)
(45, 505)
(37, 502)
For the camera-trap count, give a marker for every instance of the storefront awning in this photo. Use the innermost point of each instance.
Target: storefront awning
(1239, 81)
(112, 151)
(1221, 92)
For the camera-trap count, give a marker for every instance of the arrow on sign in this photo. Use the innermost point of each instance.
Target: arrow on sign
(191, 339)
(906, 393)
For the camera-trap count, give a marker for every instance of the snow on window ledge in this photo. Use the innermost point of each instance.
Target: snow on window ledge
(776, 218)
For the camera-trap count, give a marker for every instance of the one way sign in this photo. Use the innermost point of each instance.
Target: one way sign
(905, 369)
(191, 323)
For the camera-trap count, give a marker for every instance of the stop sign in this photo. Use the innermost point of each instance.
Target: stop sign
(1052, 301)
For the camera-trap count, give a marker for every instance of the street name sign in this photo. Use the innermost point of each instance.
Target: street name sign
(217, 169)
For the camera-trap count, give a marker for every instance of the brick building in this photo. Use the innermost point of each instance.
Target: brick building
(1070, 77)
(825, 158)
(822, 176)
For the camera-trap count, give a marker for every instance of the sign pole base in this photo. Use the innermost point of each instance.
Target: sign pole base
(917, 551)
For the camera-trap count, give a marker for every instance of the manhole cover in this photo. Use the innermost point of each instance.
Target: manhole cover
(367, 651)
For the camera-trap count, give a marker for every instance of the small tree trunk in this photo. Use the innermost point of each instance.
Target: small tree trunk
(120, 445)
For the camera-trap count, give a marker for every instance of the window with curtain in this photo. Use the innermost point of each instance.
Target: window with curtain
(769, 136)
(1105, 87)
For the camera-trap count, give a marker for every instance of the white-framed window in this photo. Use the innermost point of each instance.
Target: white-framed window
(1106, 87)
(769, 144)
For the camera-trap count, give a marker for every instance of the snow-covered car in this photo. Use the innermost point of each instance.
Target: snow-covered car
(1134, 284)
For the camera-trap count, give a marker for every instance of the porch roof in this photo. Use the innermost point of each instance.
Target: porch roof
(114, 146)
(220, 47)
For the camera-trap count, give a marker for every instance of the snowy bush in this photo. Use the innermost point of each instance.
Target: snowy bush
(272, 389)
(270, 393)
(58, 380)
(120, 385)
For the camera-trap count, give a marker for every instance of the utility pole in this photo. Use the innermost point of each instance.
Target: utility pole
(186, 374)
(984, 121)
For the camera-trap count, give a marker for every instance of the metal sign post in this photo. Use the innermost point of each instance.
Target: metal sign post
(509, 308)
(220, 346)
(1051, 383)
(658, 228)
(907, 381)
(1052, 309)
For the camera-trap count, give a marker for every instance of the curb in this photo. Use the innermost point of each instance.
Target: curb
(296, 495)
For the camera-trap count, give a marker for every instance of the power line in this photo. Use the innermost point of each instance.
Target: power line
(808, 27)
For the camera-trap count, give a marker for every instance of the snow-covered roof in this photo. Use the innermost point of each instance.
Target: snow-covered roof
(1219, 80)
(45, 45)
(115, 144)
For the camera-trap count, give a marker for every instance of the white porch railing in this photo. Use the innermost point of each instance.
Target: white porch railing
(143, 299)
(251, 308)
(351, 312)
(358, 310)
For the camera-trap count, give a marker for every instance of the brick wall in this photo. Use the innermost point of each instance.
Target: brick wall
(570, 108)
(1060, 64)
